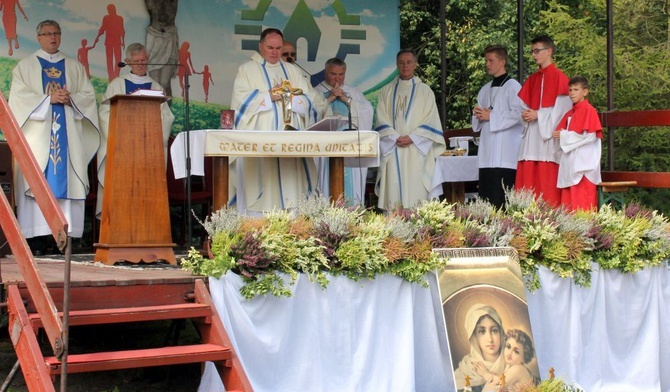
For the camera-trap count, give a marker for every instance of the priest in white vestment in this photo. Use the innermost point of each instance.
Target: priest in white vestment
(497, 117)
(137, 59)
(343, 98)
(54, 104)
(411, 137)
(263, 184)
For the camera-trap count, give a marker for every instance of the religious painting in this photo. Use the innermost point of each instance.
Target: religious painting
(487, 321)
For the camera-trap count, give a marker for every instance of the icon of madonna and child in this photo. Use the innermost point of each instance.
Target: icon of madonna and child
(495, 354)
(488, 327)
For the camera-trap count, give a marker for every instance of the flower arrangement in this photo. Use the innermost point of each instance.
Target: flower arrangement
(317, 238)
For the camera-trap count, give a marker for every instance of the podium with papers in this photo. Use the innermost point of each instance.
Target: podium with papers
(135, 220)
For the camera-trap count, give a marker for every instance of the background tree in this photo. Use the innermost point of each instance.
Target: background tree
(641, 50)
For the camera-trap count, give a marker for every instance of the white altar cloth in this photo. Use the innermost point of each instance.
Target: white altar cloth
(453, 169)
(381, 335)
(387, 335)
(611, 337)
(197, 142)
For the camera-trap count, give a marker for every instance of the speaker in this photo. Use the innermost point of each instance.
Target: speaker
(7, 187)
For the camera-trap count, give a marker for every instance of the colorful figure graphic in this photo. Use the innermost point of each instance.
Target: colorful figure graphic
(82, 55)
(8, 8)
(112, 27)
(206, 80)
(186, 64)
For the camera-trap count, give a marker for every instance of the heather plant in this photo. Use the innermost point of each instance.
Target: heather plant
(317, 239)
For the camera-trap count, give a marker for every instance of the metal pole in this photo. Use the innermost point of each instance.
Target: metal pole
(520, 25)
(10, 376)
(443, 66)
(610, 83)
(66, 314)
(188, 159)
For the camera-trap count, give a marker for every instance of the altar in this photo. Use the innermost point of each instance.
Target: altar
(347, 149)
(389, 335)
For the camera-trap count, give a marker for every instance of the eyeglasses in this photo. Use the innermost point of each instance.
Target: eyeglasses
(50, 34)
(287, 54)
(408, 62)
(538, 50)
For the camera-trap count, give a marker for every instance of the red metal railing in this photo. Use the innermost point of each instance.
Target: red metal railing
(21, 152)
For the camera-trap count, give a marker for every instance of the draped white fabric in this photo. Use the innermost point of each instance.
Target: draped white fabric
(613, 336)
(381, 335)
(388, 335)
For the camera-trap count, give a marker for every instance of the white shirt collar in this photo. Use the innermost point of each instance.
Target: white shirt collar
(58, 56)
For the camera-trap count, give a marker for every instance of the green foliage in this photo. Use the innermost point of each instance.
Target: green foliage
(201, 115)
(642, 76)
(6, 67)
(317, 238)
(641, 62)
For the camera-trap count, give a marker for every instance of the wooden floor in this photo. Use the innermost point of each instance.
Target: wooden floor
(93, 284)
(86, 272)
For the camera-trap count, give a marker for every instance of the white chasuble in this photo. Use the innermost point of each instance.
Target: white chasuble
(33, 111)
(407, 107)
(263, 184)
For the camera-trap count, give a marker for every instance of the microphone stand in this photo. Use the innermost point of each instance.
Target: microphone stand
(348, 104)
(290, 60)
(189, 237)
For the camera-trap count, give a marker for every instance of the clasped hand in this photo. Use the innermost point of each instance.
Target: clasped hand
(61, 96)
(529, 115)
(404, 141)
(482, 114)
(337, 93)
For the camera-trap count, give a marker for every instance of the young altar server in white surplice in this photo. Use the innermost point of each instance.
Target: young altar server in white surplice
(497, 117)
(263, 184)
(545, 97)
(341, 98)
(411, 137)
(137, 59)
(54, 103)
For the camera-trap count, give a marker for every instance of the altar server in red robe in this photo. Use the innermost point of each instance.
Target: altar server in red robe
(544, 94)
(580, 134)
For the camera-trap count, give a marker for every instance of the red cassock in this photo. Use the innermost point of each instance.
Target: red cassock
(582, 118)
(540, 91)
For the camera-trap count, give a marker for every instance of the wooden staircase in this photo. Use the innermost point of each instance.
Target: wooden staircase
(32, 306)
(40, 371)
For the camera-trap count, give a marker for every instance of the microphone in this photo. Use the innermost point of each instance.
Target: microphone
(348, 103)
(290, 60)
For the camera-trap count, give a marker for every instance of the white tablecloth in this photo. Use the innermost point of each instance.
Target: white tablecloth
(453, 169)
(387, 335)
(196, 142)
(611, 337)
(381, 335)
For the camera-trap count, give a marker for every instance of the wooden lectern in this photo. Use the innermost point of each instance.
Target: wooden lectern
(135, 221)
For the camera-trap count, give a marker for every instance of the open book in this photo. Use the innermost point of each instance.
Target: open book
(149, 93)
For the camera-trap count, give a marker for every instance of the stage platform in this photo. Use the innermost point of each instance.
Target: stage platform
(94, 284)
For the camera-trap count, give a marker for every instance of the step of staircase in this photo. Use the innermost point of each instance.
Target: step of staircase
(130, 359)
(129, 315)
